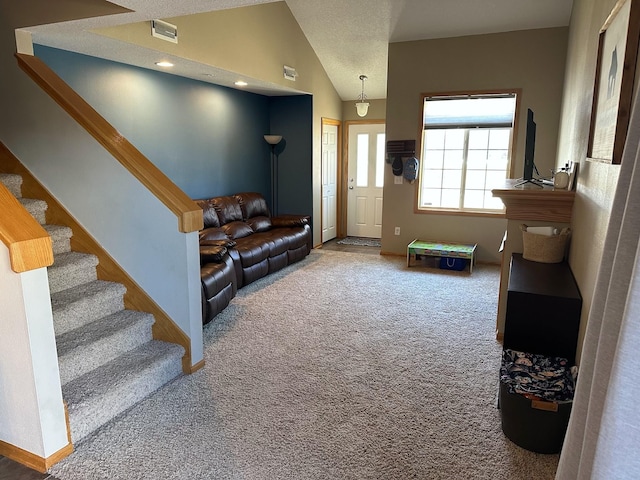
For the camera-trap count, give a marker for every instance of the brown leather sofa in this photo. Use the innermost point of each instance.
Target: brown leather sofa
(241, 243)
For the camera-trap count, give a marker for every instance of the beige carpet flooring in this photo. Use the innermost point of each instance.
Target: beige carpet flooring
(343, 366)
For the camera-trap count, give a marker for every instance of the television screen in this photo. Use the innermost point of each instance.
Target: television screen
(530, 147)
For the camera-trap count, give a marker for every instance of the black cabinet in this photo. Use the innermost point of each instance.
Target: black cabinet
(543, 309)
(543, 318)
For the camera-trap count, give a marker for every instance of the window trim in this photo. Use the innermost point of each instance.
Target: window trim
(512, 149)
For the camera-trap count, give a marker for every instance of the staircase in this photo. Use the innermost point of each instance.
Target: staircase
(107, 358)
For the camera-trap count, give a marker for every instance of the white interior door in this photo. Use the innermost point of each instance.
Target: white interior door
(329, 181)
(365, 180)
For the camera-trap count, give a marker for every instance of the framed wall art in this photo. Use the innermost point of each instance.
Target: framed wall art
(613, 88)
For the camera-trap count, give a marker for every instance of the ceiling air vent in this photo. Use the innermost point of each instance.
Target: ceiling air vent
(290, 73)
(164, 30)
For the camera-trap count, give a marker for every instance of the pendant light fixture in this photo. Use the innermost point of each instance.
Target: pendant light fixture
(362, 106)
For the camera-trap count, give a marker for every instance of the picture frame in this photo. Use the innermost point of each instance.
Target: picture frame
(613, 86)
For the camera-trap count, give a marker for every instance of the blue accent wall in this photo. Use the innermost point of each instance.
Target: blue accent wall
(206, 138)
(295, 192)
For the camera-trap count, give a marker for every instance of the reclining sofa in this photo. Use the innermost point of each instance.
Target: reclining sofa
(241, 243)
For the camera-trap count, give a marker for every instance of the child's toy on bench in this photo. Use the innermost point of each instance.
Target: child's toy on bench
(446, 251)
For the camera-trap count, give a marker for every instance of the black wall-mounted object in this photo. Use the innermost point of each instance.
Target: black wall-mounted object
(397, 166)
(400, 148)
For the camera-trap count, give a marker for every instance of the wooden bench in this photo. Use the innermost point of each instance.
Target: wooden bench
(419, 248)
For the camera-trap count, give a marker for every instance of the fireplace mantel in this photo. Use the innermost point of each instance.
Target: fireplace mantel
(531, 202)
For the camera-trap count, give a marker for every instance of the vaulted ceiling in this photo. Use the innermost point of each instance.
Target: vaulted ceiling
(350, 37)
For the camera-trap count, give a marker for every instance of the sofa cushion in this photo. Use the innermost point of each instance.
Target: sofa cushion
(260, 223)
(253, 249)
(272, 240)
(252, 205)
(227, 208)
(209, 214)
(237, 229)
(295, 237)
(255, 271)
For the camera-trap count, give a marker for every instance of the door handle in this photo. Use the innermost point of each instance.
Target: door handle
(350, 187)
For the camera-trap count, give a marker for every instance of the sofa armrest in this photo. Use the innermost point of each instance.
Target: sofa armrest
(212, 233)
(218, 243)
(212, 254)
(215, 237)
(290, 221)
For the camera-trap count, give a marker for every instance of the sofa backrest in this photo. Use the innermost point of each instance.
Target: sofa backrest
(228, 209)
(209, 214)
(252, 205)
(236, 216)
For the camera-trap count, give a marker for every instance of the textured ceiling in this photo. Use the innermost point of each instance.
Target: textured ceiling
(36, 12)
(349, 37)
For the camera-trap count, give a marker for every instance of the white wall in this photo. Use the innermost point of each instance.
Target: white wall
(31, 408)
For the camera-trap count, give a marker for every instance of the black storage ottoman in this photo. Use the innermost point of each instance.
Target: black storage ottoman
(536, 394)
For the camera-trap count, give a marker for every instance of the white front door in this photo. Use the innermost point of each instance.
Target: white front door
(365, 180)
(329, 181)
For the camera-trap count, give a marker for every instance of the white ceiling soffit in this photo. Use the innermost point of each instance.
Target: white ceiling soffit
(75, 36)
(350, 37)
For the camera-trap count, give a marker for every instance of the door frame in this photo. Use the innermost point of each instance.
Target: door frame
(339, 160)
(343, 174)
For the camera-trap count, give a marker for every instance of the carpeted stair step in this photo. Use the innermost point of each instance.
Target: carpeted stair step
(87, 347)
(60, 234)
(102, 394)
(108, 360)
(85, 303)
(13, 183)
(37, 208)
(71, 269)
(60, 237)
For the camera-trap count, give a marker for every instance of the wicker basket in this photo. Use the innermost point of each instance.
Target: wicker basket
(544, 248)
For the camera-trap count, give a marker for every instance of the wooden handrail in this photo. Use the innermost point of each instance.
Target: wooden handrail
(188, 213)
(29, 244)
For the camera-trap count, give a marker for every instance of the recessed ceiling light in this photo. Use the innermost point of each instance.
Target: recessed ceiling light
(164, 64)
(241, 83)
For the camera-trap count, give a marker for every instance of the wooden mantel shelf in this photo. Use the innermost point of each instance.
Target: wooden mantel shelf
(530, 202)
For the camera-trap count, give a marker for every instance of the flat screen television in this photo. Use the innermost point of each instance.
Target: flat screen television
(529, 146)
(529, 151)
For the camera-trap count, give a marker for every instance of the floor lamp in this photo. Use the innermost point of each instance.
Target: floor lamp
(273, 140)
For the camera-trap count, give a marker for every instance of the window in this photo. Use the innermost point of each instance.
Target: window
(466, 151)
(362, 160)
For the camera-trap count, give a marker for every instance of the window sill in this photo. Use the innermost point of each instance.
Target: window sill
(460, 213)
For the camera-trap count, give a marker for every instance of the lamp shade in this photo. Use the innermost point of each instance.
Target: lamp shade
(362, 108)
(273, 139)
